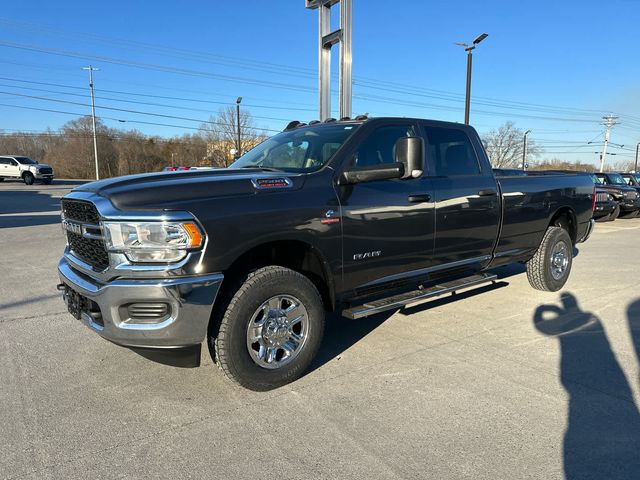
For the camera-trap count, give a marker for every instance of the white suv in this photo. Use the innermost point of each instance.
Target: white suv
(13, 166)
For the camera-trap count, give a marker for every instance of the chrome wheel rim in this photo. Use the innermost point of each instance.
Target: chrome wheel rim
(277, 331)
(559, 260)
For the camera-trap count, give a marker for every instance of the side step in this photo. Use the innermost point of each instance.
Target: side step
(404, 299)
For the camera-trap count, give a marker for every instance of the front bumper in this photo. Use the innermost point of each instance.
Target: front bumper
(43, 176)
(604, 208)
(628, 205)
(189, 301)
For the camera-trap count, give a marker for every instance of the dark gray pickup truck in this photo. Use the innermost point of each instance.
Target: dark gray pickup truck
(357, 217)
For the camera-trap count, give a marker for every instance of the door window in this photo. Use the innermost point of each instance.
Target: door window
(450, 153)
(379, 147)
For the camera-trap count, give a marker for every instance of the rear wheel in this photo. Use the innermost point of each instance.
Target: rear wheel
(28, 178)
(549, 268)
(271, 329)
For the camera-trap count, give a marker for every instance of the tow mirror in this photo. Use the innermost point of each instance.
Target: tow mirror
(409, 152)
(372, 173)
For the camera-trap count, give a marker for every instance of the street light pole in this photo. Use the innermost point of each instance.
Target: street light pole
(469, 50)
(524, 150)
(93, 117)
(239, 147)
(635, 169)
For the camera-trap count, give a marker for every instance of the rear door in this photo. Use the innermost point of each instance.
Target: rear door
(387, 224)
(467, 203)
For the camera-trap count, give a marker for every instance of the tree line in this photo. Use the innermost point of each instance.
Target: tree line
(70, 151)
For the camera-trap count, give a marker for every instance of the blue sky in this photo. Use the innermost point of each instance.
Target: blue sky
(553, 67)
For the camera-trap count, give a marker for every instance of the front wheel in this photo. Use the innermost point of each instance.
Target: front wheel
(549, 268)
(28, 178)
(271, 329)
(47, 181)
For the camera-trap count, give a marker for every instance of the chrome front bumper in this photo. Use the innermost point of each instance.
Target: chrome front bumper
(189, 299)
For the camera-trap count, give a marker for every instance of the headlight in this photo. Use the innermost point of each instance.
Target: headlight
(152, 242)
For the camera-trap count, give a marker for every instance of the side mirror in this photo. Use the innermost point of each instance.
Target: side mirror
(409, 152)
(372, 173)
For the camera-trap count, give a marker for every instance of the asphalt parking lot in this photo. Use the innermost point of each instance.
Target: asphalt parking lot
(502, 383)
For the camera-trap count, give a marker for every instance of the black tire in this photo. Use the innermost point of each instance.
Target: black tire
(229, 339)
(543, 270)
(28, 178)
(47, 181)
(633, 214)
(1, 179)
(613, 215)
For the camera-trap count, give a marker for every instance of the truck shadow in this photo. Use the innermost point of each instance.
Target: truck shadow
(341, 333)
(602, 438)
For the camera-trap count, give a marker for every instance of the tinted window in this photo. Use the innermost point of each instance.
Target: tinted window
(380, 146)
(26, 161)
(3, 161)
(302, 149)
(449, 152)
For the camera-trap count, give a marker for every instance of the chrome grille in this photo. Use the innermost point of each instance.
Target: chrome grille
(46, 171)
(602, 197)
(630, 195)
(89, 250)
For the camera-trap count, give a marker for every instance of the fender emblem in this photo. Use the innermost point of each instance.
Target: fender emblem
(365, 255)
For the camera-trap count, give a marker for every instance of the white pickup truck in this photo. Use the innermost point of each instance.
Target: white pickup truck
(14, 166)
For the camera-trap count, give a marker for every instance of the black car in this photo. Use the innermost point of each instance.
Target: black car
(632, 179)
(630, 204)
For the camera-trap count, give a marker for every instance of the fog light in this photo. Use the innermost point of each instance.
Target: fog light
(145, 312)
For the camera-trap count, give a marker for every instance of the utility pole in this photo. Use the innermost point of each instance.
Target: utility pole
(93, 117)
(635, 169)
(469, 50)
(239, 147)
(609, 122)
(524, 150)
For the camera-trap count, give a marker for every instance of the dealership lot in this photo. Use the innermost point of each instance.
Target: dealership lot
(504, 382)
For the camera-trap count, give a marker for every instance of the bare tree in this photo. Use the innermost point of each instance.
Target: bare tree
(221, 134)
(504, 146)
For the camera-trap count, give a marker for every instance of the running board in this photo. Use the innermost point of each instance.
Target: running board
(404, 299)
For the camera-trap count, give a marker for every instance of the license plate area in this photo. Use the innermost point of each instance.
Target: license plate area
(75, 302)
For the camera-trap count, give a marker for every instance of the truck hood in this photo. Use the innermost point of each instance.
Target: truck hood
(168, 190)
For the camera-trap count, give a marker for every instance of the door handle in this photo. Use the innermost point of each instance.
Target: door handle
(424, 197)
(487, 192)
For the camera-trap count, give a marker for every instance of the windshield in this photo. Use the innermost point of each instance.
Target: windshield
(595, 179)
(302, 150)
(25, 160)
(616, 179)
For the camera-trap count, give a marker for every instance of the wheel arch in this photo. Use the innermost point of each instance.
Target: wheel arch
(565, 217)
(297, 255)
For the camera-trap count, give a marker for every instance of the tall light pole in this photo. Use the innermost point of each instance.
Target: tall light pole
(469, 50)
(239, 147)
(93, 117)
(524, 150)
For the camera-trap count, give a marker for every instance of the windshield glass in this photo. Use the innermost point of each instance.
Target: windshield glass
(616, 179)
(25, 161)
(595, 179)
(302, 150)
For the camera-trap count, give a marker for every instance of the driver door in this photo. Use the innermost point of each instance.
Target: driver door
(388, 225)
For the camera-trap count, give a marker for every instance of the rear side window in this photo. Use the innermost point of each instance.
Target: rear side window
(450, 153)
(379, 147)
(3, 161)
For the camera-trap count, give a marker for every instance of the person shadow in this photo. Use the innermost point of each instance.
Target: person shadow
(602, 438)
